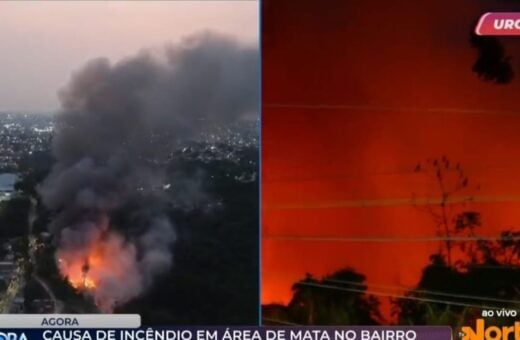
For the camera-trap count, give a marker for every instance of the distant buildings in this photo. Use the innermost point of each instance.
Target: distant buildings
(22, 135)
(7, 271)
(7, 181)
(17, 305)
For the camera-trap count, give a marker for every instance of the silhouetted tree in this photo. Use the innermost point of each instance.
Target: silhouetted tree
(448, 207)
(492, 63)
(445, 292)
(336, 299)
(486, 274)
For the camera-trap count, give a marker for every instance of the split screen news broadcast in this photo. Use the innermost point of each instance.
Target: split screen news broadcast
(260, 170)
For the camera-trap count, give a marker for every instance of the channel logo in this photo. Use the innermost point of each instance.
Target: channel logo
(12, 336)
(481, 332)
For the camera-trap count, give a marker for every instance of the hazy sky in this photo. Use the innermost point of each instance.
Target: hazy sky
(41, 42)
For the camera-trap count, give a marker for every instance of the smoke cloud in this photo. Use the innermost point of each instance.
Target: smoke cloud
(117, 126)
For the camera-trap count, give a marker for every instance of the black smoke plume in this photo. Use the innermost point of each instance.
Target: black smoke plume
(117, 126)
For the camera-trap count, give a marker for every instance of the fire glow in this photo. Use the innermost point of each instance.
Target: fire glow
(93, 267)
(80, 281)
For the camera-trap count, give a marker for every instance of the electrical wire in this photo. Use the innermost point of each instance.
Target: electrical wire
(360, 107)
(281, 322)
(388, 239)
(420, 291)
(400, 296)
(389, 202)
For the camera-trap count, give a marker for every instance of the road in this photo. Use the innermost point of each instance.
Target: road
(33, 246)
(16, 283)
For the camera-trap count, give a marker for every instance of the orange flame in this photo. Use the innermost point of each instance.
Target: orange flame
(82, 273)
(93, 267)
(84, 284)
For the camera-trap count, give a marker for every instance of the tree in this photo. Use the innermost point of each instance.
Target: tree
(492, 64)
(14, 217)
(457, 296)
(448, 207)
(336, 299)
(486, 273)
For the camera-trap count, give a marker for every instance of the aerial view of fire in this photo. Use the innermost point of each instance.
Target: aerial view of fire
(129, 159)
(114, 131)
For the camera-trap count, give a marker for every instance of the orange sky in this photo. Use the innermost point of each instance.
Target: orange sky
(402, 71)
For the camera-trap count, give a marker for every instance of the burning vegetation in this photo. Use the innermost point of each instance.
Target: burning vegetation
(105, 260)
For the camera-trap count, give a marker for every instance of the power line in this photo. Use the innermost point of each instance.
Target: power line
(389, 239)
(360, 107)
(385, 202)
(483, 266)
(399, 296)
(421, 291)
(408, 171)
(281, 322)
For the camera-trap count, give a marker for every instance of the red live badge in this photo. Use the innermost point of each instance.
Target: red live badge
(499, 23)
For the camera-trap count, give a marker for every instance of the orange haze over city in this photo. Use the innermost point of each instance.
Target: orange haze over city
(354, 97)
